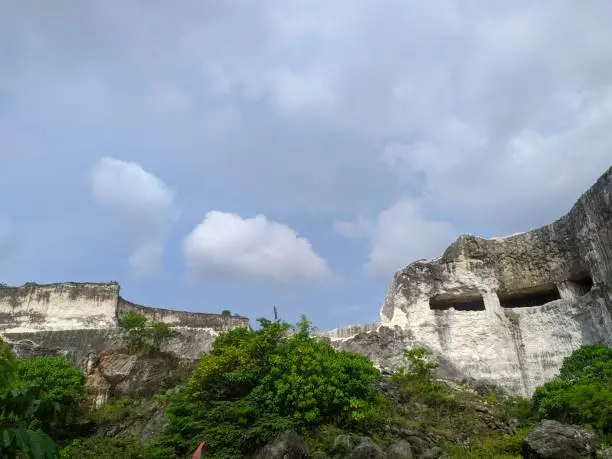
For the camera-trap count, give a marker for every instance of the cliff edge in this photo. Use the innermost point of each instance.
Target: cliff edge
(503, 310)
(82, 319)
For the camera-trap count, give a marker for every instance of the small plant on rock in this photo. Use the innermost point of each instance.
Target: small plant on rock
(141, 336)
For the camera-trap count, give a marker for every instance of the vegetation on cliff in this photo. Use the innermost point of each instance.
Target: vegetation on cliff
(142, 335)
(257, 384)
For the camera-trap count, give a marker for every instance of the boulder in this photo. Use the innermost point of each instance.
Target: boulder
(433, 453)
(289, 445)
(343, 444)
(400, 450)
(115, 373)
(367, 449)
(553, 440)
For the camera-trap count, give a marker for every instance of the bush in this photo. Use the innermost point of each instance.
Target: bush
(56, 383)
(313, 384)
(582, 393)
(257, 383)
(104, 448)
(19, 408)
(57, 379)
(8, 364)
(141, 336)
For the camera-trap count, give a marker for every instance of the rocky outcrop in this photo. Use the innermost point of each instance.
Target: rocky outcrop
(289, 445)
(503, 310)
(80, 320)
(115, 374)
(553, 440)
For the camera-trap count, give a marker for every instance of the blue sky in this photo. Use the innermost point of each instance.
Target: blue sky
(238, 155)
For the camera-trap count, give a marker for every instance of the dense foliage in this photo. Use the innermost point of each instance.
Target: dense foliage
(19, 407)
(257, 383)
(58, 380)
(140, 335)
(99, 447)
(582, 393)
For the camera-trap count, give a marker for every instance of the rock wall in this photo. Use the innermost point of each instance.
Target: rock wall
(81, 319)
(504, 310)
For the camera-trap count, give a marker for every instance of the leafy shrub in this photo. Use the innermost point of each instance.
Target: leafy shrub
(98, 447)
(57, 379)
(113, 411)
(416, 379)
(18, 408)
(8, 364)
(257, 383)
(312, 383)
(582, 393)
(141, 336)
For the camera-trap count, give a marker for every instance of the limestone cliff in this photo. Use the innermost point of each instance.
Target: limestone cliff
(505, 310)
(81, 319)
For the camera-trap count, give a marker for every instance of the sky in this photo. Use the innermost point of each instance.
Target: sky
(242, 155)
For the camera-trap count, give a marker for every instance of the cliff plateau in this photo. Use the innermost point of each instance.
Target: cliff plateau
(503, 310)
(80, 320)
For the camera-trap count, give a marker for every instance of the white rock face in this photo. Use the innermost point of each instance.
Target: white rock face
(32, 308)
(81, 319)
(504, 310)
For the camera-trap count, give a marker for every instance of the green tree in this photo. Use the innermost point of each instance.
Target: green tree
(134, 331)
(139, 335)
(420, 363)
(582, 393)
(58, 384)
(18, 406)
(159, 333)
(313, 384)
(57, 379)
(257, 383)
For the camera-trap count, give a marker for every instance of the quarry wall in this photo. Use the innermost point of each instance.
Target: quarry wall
(81, 319)
(503, 310)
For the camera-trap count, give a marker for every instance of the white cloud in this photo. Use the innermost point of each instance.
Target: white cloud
(141, 205)
(400, 235)
(227, 245)
(532, 173)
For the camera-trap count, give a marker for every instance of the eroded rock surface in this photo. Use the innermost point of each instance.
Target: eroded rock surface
(503, 310)
(115, 374)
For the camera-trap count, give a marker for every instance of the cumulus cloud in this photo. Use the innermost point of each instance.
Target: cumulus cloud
(227, 245)
(140, 204)
(400, 235)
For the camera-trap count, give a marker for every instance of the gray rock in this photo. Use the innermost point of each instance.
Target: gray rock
(553, 440)
(117, 374)
(433, 453)
(400, 450)
(367, 449)
(289, 445)
(343, 444)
